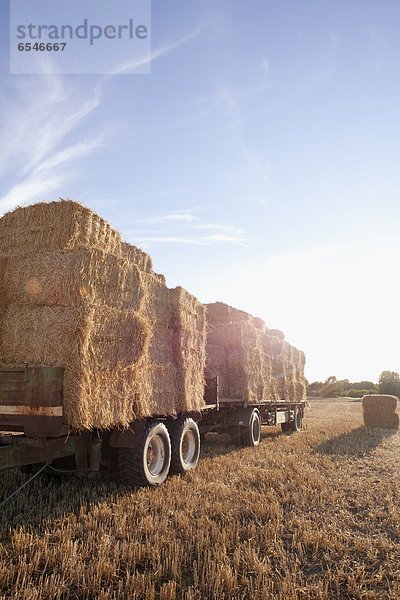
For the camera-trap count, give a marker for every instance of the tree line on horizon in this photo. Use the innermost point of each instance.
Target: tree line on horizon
(389, 383)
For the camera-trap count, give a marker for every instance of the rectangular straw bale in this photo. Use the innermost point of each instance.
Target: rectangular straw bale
(165, 384)
(137, 256)
(55, 226)
(382, 421)
(74, 277)
(218, 312)
(101, 349)
(106, 399)
(189, 327)
(178, 321)
(60, 335)
(251, 363)
(381, 402)
(246, 374)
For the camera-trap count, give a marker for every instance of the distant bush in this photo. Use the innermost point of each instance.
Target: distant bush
(339, 388)
(354, 393)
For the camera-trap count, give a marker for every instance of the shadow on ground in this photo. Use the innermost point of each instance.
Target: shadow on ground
(51, 496)
(358, 442)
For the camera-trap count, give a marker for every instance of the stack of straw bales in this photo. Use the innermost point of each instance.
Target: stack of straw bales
(251, 361)
(72, 294)
(379, 411)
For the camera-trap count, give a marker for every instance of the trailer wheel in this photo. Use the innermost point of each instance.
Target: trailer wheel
(298, 419)
(185, 445)
(251, 435)
(147, 464)
(294, 425)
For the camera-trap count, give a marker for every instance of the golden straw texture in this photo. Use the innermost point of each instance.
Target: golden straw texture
(251, 363)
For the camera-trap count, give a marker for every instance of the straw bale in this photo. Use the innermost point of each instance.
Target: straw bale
(259, 324)
(380, 402)
(243, 371)
(160, 277)
(188, 326)
(74, 277)
(388, 421)
(251, 363)
(218, 312)
(277, 333)
(73, 296)
(58, 335)
(178, 342)
(55, 226)
(101, 350)
(137, 256)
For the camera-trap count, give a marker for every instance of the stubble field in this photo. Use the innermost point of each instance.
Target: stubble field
(314, 515)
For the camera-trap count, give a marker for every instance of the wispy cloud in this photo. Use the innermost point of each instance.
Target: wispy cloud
(184, 227)
(166, 192)
(207, 240)
(36, 125)
(237, 106)
(131, 66)
(183, 216)
(39, 119)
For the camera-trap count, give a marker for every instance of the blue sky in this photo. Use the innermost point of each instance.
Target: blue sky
(258, 164)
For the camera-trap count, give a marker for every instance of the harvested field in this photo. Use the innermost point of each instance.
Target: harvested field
(240, 526)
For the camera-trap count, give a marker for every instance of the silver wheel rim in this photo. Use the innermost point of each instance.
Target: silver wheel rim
(155, 455)
(188, 447)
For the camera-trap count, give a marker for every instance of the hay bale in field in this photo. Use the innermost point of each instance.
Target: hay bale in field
(382, 421)
(73, 277)
(379, 411)
(55, 226)
(251, 363)
(382, 402)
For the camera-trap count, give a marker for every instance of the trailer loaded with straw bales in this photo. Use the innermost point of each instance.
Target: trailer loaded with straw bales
(101, 364)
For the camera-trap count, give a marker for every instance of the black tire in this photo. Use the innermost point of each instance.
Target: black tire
(185, 445)
(298, 419)
(251, 435)
(147, 464)
(294, 425)
(237, 436)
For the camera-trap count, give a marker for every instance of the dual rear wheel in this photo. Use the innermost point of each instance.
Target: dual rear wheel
(164, 448)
